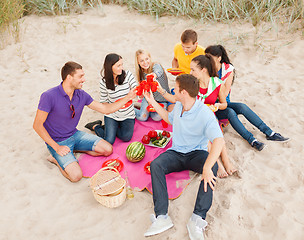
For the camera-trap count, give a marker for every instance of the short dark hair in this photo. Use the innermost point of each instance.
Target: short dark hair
(107, 72)
(69, 68)
(189, 83)
(189, 35)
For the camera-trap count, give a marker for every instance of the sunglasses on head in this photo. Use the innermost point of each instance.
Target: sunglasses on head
(73, 110)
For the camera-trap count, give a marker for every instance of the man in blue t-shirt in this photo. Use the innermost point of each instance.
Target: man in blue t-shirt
(57, 117)
(194, 124)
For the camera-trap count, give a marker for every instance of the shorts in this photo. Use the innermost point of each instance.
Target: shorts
(79, 141)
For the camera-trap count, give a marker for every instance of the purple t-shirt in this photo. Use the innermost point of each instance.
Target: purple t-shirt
(59, 123)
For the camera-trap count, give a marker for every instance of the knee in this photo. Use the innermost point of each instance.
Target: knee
(156, 117)
(155, 165)
(243, 108)
(107, 149)
(230, 113)
(104, 148)
(128, 137)
(75, 176)
(143, 117)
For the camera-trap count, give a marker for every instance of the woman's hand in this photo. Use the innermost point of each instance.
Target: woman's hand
(154, 76)
(131, 94)
(217, 106)
(212, 107)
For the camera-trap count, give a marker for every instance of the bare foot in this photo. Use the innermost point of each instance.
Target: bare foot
(230, 168)
(51, 159)
(221, 173)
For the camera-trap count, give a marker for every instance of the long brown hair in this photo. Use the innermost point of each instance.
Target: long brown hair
(107, 72)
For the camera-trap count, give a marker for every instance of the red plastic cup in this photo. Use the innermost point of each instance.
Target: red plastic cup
(164, 123)
(150, 78)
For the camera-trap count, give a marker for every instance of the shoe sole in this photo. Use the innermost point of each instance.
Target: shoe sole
(159, 231)
(190, 236)
(282, 141)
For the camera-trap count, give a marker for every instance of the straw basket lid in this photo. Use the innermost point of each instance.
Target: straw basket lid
(107, 181)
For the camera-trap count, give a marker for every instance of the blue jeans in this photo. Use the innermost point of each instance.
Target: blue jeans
(79, 141)
(233, 109)
(172, 161)
(142, 114)
(112, 129)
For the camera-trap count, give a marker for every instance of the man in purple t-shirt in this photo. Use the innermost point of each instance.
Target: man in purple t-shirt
(58, 114)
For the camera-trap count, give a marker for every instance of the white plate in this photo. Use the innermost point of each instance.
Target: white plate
(152, 145)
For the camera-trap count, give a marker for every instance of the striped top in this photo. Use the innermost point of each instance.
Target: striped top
(110, 96)
(161, 77)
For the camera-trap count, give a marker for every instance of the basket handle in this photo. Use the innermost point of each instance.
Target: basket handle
(104, 169)
(110, 168)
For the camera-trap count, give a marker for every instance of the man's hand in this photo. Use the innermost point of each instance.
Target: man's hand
(175, 63)
(159, 88)
(208, 178)
(63, 150)
(149, 97)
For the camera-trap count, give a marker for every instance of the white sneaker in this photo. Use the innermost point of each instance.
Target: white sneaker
(159, 225)
(196, 229)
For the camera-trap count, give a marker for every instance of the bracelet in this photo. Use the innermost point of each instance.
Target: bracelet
(164, 92)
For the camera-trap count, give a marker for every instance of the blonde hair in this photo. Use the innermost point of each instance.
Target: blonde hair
(138, 70)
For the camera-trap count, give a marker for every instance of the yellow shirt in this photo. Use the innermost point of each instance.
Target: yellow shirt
(185, 60)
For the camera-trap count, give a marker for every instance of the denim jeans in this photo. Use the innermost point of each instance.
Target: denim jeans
(79, 141)
(233, 109)
(112, 129)
(172, 161)
(142, 114)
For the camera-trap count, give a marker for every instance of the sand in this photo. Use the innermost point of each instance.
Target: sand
(265, 202)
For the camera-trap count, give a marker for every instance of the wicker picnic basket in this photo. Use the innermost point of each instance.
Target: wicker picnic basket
(108, 187)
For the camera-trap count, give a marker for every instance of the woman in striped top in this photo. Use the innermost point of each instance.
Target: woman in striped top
(114, 85)
(143, 67)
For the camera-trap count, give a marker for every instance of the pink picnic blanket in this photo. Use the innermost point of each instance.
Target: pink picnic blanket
(176, 182)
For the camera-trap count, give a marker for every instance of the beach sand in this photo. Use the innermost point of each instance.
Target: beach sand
(264, 202)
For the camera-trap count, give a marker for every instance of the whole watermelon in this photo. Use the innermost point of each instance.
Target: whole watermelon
(135, 152)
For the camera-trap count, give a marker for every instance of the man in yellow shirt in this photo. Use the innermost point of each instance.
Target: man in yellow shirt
(185, 51)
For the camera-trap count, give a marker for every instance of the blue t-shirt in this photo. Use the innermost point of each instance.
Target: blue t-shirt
(193, 129)
(59, 123)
